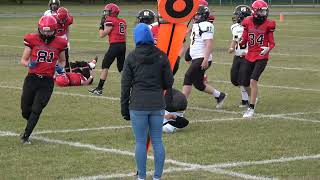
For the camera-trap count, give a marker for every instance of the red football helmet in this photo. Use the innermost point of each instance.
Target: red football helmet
(47, 27)
(62, 80)
(62, 15)
(260, 11)
(203, 3)
(111, 9)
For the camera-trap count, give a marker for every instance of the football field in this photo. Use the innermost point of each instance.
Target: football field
(81, 136)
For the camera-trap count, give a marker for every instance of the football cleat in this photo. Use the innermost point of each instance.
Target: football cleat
(24, 139)
(249, 113)
(220, 100)
(244, 104)
(96, 91)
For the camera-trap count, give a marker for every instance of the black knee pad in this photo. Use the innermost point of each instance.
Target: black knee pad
(199, 85)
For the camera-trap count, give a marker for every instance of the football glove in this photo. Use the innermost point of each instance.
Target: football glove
(59, 69)
(264, 50)
(32, 64)
(103, 19)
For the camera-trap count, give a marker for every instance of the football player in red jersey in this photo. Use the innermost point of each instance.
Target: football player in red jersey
(64, 20)
(116, 29)
(41, 53)
(80, 75)
(258, 34)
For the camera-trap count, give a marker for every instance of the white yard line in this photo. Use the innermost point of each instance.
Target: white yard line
(263, 162)
(238, 175)
(80, 130)
(211, 168)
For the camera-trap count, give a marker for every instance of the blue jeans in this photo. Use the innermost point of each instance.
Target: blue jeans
(143, 122)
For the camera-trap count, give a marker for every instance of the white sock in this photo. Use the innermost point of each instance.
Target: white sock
(244, 93)
(216, 93)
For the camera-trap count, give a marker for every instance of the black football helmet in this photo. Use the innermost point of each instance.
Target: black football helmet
(54, 5)
(146, 16)
(241, 12)
(202, 14)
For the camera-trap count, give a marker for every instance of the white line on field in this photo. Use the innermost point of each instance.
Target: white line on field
(79, 130)
(117, 99)
(220, 165)
(277, 87)
(263, 162)
(238, 175)
(297, 119)
(277, 67)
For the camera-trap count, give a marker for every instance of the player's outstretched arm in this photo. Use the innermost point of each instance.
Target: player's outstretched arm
(26, 56)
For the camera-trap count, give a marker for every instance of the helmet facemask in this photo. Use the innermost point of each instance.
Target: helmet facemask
(54, 7)
(46, 34)
(260, 16)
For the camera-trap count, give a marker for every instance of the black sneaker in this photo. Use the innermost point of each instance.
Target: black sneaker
(244, 104)
(220, 100)
(96, 91)
(24, 139)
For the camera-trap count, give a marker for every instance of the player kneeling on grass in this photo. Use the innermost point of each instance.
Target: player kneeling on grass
(41, 53)
(80, 75)
(240, 12)
(258, 33)
(173, 118)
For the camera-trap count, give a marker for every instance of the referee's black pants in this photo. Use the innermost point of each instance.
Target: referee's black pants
(35, 96)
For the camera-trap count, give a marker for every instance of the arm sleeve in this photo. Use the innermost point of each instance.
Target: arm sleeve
(272, 28)
(126, 83)
(167, 74)
(168, 82)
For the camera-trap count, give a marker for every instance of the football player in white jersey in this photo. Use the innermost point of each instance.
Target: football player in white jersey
(53, 7)
(173, 118)
(240, 12)
(201, 53)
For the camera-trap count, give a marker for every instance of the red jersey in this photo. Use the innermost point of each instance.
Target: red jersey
(119, 29)
(155, 31)
(257, 36)
(62, 29)
(76, 79)
(46, 54)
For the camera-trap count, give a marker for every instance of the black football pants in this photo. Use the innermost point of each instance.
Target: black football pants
(35, 96)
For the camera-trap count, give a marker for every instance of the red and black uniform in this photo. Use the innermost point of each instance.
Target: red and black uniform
(80, 72)
(256, 36)
(38, 85)
(117, 41)
(62, 31)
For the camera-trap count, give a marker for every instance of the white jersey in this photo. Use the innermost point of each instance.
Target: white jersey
(200, 32)
(237, 31)
(49, 13)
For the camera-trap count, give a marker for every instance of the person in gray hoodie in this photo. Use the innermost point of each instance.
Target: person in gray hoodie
(146, 74)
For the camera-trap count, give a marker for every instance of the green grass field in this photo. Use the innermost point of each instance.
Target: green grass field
(80, 136)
